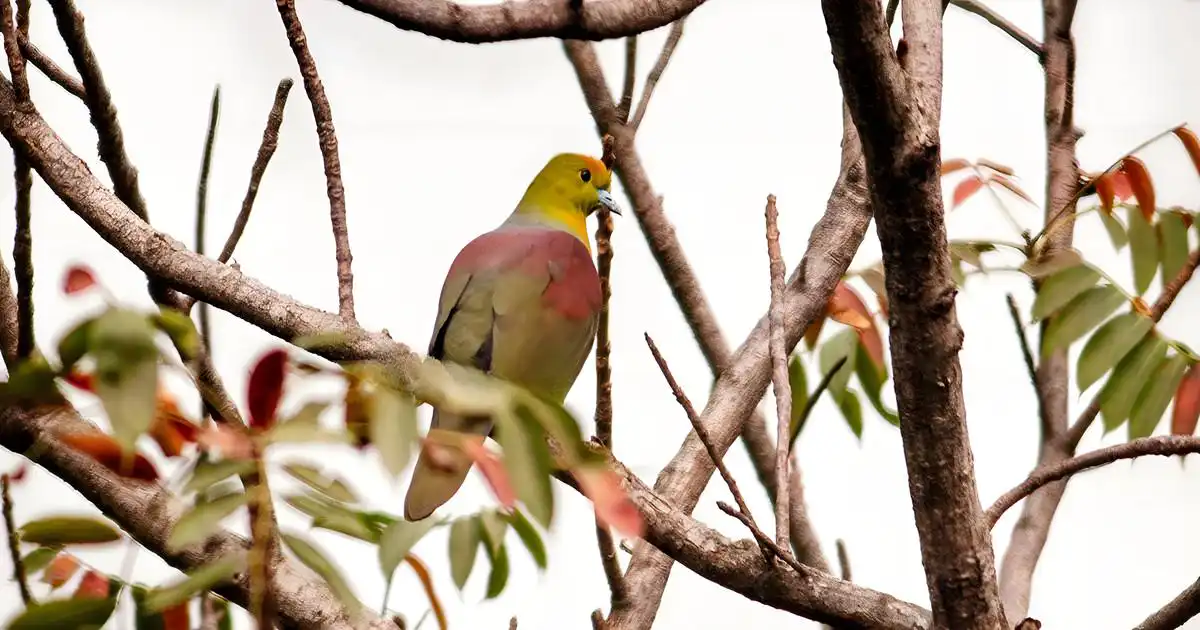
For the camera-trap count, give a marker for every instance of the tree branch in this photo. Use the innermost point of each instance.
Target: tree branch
(53, 71)
(631, 46)
(995, 19)
(214, 114)
(563, 19)
(9, 323)
(329, 154)
(1176, 612)
(897, 110)
(10, 529)
(779, 377)
(23, 181)
(656, 73)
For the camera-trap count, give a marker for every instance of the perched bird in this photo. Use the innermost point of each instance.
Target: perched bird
(521, 303)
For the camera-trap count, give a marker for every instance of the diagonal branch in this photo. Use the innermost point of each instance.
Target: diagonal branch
(329, 154)
(1176, 612)
(656, 73)
(997, 20)
(53, 71)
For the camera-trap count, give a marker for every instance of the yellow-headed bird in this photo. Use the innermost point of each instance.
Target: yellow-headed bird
(521, 303)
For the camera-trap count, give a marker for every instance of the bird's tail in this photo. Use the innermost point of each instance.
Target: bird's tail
(434, 482)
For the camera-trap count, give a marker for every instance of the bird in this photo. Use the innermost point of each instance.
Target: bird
(521, 303)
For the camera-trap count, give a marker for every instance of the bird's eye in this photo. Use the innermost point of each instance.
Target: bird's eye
(585, 175)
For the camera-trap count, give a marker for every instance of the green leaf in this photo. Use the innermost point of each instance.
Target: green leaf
(1120, 392)
(499, 574)
(1051, 264)
(203, 519)
(798, 381)
(90, 613)
(872, 377)
(331, 487)
(1174, 237)
(852, 411)
(59, 531)
(493, 527)
(1108, 345)
(304, 427)
(464, 543)
(529, 536)
(38, 559)
(1059, 289)
(1143, 249)
(144, 619)
(956, 271)
(838, 346)
(527, 459)
(196, 582)
(393, 426)
(30, 383)
(315, 560)
(122, 344)
(1080, 316)
(74, 345)
(556, 421)
(209, 472)
(181, 329)
(398, 539)
(1156, 395)
(224, 616)
(334, 517)
(1116, 231)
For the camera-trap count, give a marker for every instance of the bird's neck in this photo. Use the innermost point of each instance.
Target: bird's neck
(565, 218)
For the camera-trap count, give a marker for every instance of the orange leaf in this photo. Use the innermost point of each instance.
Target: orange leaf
(357, 422)
(965, 189)
(171, 430)
(81, 380)
(60, 570)
(93, 585)
(955, 164)
(77, 279)
(1191, 143)
(613, 507)
(1187, 403)
(1121, 188)
(1139, 181)
(999, 168)
(232, 443)
(107, 452)
(266, 388)
(1104, 190)
(814, 332)
(493, 472)
(873, 344)
(1012, 187)
(435, 604)
(177, 617)
(845, 306)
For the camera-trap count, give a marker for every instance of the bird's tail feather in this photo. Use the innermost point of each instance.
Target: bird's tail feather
(434, 482)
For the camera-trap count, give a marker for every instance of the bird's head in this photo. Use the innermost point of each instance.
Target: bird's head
(569, 188)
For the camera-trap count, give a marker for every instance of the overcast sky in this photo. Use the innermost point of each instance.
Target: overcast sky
(438, 142)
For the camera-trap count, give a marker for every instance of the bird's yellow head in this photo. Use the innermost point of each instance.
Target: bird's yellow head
(566, 191)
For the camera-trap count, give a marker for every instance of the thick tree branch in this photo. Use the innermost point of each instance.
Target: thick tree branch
(564, 19)
(9, 323)
(22, 179)
(1176, 612)
(329, 154)
(897, 110)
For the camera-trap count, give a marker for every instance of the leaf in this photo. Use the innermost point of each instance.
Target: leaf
(813, 332)
(435, 604)
(74, 345)
(1173, 235)
(1190, 143)
(1080, 316)
(175, 617)
(196, 582)
(1051, 264)
(872, 381)
(181, 329)
(971, 252)
(87, 613)
(493, 528)
(954, 164)
(60, 570)
(393, 426)
(304, 428)
(335, 517)
(203, 519)
(122, 344)
(874, 278)
(1059, 289)
(798, 382)
(209, 472)
(1143, 249)
(528, 461)
(79, 278)
(231, 443)
(852, 411)
(498, 577)
(42, 558)
(840, 345)
(963, 191)
(529, 536)
(1187, 403)
(1104, 191)
(846, 307)
(556, 421)
(58, 531)
(464, 543)
(315, 560)
(1116, 231)
(1156, 395)
(265, 388)
(493, 471)
(105, 450)
(93, 585)
(613, 507)
(1109, 344)
(171, 430)
(333, 488)
(1140, 183)
(398, 540)
(1012, 187)
(1119, 393)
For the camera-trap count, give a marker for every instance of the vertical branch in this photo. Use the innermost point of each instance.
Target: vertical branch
(214, 113)
(22, 179)
(262, 537)
(779, 375)
(631, 46)
(10, 325)
(14, 549)
(329, 153)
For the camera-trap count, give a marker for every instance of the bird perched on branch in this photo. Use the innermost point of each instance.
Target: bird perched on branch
(520, 302)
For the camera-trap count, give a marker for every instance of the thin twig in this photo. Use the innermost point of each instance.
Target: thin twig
(612, 568)
(53, 71)
(656, 73)
(1030, 364)
(604, 410)
(763, 540)
(843, 559)
(12, 50)
(1013, 31)
(1162, 445)
(23, 181)
(214, 114)
(890, 12)
(816, 395)
(329, 154)
(10, 325)
(779, 375)
(14, 548)
(631, 45)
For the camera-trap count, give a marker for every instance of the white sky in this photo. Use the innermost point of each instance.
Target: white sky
(439, 140)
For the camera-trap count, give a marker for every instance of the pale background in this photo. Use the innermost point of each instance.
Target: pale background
(439, 140)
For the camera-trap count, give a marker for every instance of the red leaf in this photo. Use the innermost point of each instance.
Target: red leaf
(93, 585)
(1191, 143)
(1139, 181)
(954, 164)
(1120, 185)
(493, 472)
(845, 306)
(60, 570)
(873, 343)
(1012, 187)
(965, 189)
(232, 443)
(81, 380)
(613, 507)
(171, 430)
(77, 279)
(266, 388)
(177, 617)
(107, 452)
(1104, 190)
(1187, 403)
(18, 475)
(995, 166)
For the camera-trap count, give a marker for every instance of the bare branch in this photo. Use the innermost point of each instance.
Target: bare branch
(10, 326)
(1176, 612)
(980, 9)
(23, 256)
(53, 71)
(214, 114)
(656, 73)
(12, 50)
(1165, 445)
(329, 153)
(563, 19)
(764, 540)
(10, 527)
(779, 376)
(631, 46)
(843, 559)
(604, 410)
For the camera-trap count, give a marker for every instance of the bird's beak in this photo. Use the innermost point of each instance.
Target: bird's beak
(606, 199)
